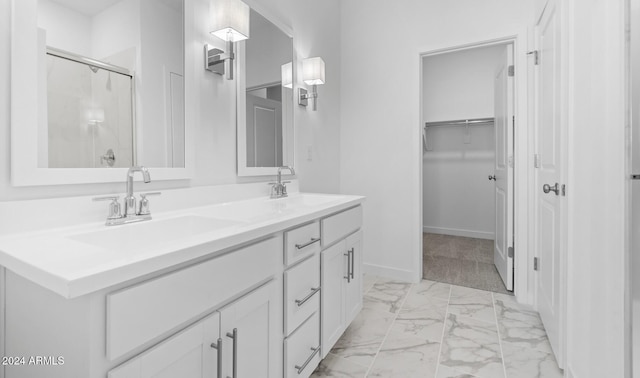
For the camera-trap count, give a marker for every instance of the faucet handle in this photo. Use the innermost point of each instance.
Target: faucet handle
(144, 202)
(114, 206)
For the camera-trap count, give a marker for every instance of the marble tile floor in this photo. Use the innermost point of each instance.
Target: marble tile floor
(438, 330)
(461, 261)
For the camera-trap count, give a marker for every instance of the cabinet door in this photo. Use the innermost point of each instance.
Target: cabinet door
(333, 266)
(353, 288)
(189, 354)
(250, 333)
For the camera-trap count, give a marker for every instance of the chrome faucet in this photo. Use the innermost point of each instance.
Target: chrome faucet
(279, 188)
(130, 215)
(130, 199)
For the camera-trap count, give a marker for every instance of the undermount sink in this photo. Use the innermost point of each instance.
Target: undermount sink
(152, 233)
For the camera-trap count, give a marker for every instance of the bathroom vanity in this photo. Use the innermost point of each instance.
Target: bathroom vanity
(244, 287)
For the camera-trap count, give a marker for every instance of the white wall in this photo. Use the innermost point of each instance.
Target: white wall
(67, 30)
(317, 29)
(596, 188)
(381, 143)
(458, 198)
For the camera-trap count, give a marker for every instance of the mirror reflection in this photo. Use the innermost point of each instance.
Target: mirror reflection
(269, 94)
(112, 82)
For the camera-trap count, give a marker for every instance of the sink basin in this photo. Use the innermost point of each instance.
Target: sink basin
(152, 233)
(265, 208)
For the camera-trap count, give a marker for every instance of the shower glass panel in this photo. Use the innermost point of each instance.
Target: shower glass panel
(90, 116)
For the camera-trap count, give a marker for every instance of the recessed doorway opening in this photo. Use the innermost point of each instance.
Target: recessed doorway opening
(468, 113)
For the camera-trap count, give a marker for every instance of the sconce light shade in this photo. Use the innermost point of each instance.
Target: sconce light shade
(95, 116)
(313, 71)
(286, 73)
(230, 20)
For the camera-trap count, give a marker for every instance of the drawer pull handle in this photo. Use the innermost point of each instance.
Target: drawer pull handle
(353, 262)
(313, 240)
(218, 347)
(302, 301)
(301, 368)
(234, 337)
(348, 276)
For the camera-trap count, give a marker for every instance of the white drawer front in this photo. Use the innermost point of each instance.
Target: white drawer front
(301, 293)
(303, 347)
(143, 312)
(301, 242)
(340, 225)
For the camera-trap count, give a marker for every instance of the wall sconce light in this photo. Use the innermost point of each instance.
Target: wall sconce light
(312, 74)
(286, 74)
(95, 116)
(231, 24)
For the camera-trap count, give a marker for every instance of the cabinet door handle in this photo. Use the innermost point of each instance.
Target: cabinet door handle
(314, 290)
(218, 347)
(348, 276)
(313, 240)
(234, 337)
(313, 354)
(353, 261)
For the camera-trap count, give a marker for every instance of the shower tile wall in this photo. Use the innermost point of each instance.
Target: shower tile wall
(74, 92)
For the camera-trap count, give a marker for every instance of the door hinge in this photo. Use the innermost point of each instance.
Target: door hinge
(510, 252)
(535, 263)
(536, 56)
(536, 160)
(564, 190)
(512, 70)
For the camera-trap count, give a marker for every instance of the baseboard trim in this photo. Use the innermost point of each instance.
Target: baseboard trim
(392, 273)
(459, 232)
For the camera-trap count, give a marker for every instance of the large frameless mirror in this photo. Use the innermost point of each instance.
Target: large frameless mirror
(265, 99)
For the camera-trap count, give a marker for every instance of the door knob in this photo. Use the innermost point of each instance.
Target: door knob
(492, 177)
(548, 188)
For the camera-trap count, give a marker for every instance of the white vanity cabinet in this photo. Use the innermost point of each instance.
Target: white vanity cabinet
(341, 298)
(265, 305)
(189, 354)
(159, 324)
(235, 341)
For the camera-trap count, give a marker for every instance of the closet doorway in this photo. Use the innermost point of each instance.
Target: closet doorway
(468, 129)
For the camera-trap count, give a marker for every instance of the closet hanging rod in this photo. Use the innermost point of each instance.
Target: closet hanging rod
(460, 122)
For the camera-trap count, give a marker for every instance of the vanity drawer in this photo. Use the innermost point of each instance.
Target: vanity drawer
(301, 292)
(301, 242)
(338, 226)
(139, 314)
(302, 349)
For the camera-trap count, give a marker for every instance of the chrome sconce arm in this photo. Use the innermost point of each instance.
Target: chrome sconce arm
(214, 60)
(304, 96)
(231, 23)
(312, 74)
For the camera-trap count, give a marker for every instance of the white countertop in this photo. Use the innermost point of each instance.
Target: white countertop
(81, 259)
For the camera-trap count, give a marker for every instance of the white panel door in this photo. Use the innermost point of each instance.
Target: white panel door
(264, 132)
(503, 169)
(333, 265)
(189, 354)
(549, 179)
(353, 286)
(249, 329)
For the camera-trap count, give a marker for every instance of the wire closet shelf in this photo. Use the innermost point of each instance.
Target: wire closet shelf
(460, 122)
